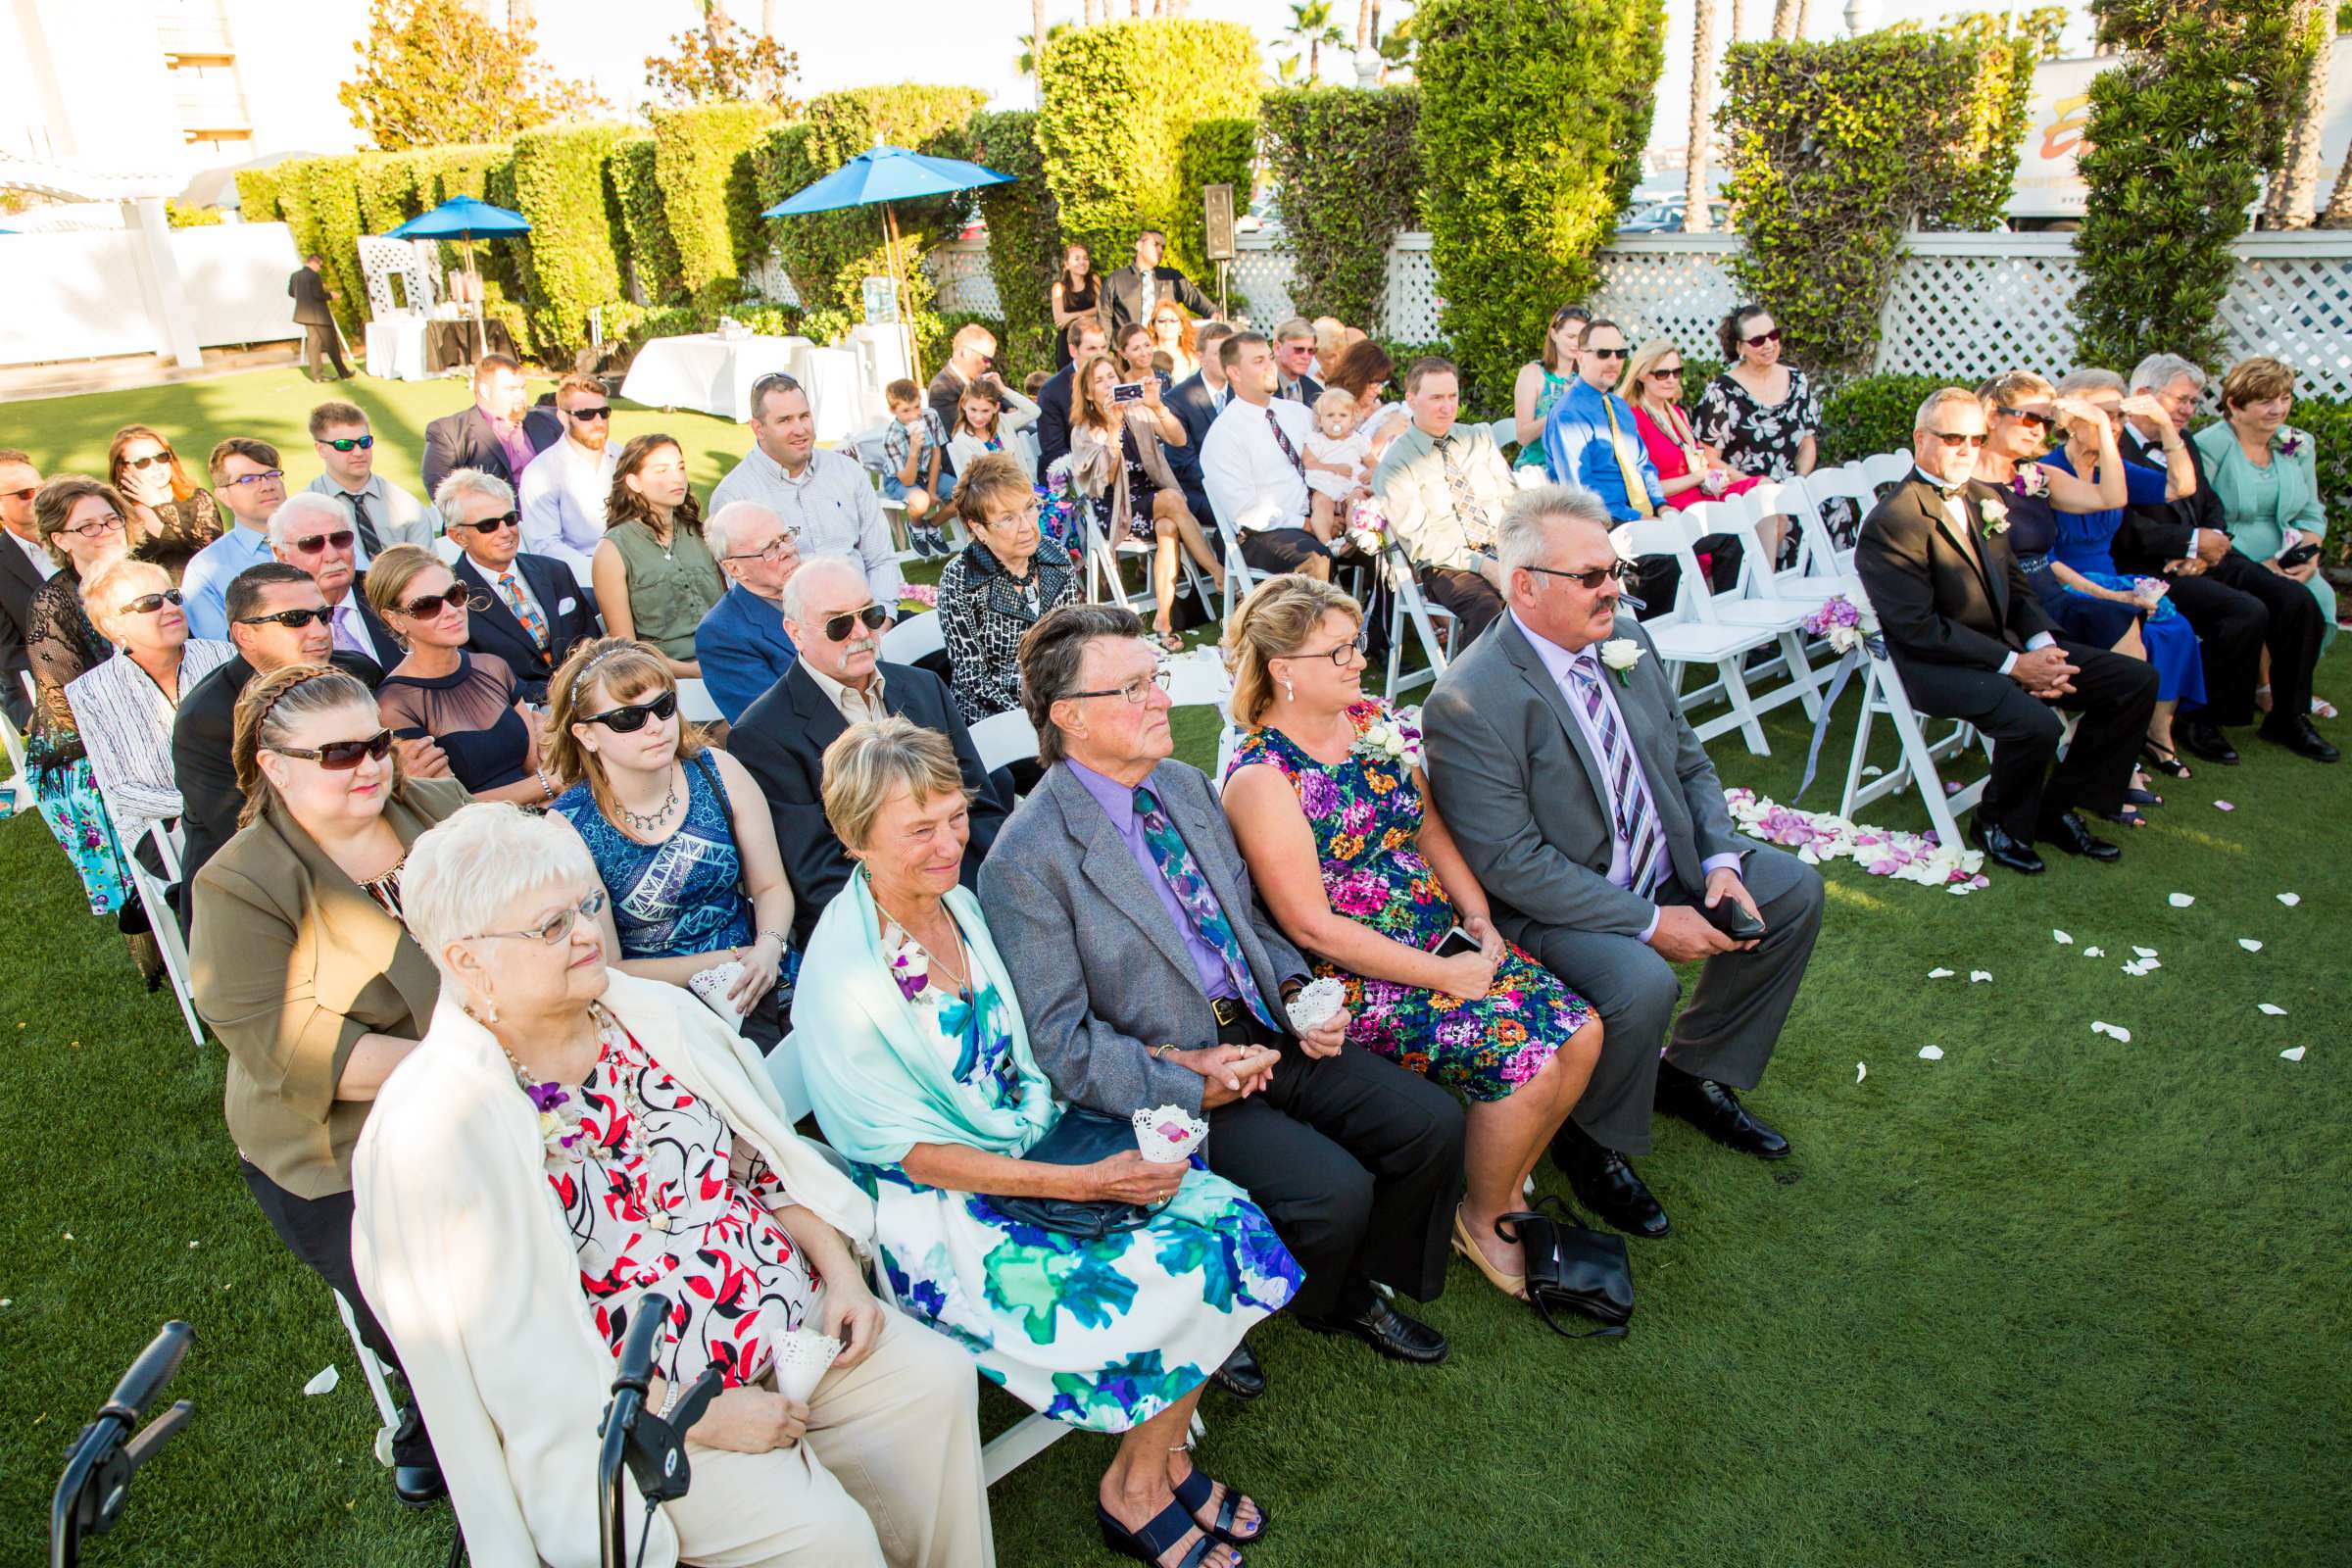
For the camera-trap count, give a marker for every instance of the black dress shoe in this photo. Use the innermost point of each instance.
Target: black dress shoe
(1715, 1110)
(2072, 834)
(1388, 1331)
(1241, 1376)
(2003, 851)
(2298, 735)
(2206, 740)
(1605, 1183)
(419, 1485)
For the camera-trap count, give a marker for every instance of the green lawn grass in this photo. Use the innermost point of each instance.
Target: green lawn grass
(2052, 1300)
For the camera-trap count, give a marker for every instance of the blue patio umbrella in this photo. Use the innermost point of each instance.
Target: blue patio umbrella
(465, 220)
(882, 177)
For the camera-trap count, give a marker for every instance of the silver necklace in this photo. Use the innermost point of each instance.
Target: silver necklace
(652, 821)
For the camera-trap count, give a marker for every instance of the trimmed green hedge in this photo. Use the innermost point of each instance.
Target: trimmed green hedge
(1866, 415)
(320, 200)
(572, 263)
(1024, 238)
(1534, 117)
(711, 212)
(1121, 102)
(653, 256)
(1345, 165)
(257, 195)
(1215, 152)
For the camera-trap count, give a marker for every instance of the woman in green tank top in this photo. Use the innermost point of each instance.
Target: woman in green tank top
(654, 577)
(1542, 381)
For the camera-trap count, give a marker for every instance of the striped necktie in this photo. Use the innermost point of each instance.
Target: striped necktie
(1629, 792)
(1636, 494)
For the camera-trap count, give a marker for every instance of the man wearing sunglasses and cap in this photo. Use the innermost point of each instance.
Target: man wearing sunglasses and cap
(380, 513)
(1589, 810)
(564, 489)
(837, 678)
(527, 609)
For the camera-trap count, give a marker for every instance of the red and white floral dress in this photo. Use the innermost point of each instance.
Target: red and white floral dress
(658, 1195)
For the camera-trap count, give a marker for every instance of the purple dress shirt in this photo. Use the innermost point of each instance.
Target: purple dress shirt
(515, 443)
(1118, 804)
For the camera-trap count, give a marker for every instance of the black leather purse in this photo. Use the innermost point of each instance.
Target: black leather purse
(1081, 1138)
(1571, 1268)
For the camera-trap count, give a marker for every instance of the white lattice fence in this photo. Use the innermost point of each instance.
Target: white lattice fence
(1262, 280)
(1966, 307)
(960, 272)
(2294, 305)
(1673, 286)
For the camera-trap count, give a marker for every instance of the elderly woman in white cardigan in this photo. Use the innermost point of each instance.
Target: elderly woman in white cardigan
(566, 1138)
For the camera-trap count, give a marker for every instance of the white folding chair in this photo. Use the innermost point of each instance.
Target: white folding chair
(1752, 605)
(1683, 637)
(1790, 499)
(695, 705)
(1434, 624)
(165, 919)
(373, 1371)
(1825, 554)
(19, 787)
(1240, 576)
(1887, 468)
(915, 637)
(1530, 477)
(447, 550)
(583, 572)
(1002, 738)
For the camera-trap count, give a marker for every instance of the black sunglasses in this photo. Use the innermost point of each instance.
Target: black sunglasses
(431, 605)
(630, 721)
(291, 619)
(341, 539)
(338, 756)
(149, 460)
(26, 494)
(1764, 339)
(601, 411)
(1951, 440)
(504, 519)
(872, 617)
(345, 443)
(2032, 417)
(1606, 353)
(149, 604)
(1623, 571)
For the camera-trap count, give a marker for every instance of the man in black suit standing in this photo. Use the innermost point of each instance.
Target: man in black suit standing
(1971, 642)
(836, 679)
(1197, 400)
(2238, 605)
(24, 564)
(317, 322)
(1085, 336)
(530, 611)
(1131, 293)
(492, 435)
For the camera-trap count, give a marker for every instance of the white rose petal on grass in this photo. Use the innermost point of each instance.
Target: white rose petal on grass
(2113, 1031)
(2094, 953)
(1980, 976)
(325, 1383)
(1861, 1071)
(2144, 953)
(2062, 939)
(1940, 974)
(2290, 1054)
(1930, 1053)
(2249, 944)
(2291, 900)
(2272, 1008)
(2223, 806)
(2180, 900)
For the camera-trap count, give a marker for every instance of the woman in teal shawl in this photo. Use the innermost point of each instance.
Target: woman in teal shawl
(919, 1068)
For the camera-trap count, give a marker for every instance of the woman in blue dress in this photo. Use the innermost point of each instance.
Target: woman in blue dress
(680, 835)
(920, 1067)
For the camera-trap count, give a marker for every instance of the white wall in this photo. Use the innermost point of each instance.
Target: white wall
(84, 295)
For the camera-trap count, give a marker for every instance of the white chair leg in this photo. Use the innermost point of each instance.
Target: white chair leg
(373, 1371)
(1744, 706)
(1801, 674)
(1017, 1445)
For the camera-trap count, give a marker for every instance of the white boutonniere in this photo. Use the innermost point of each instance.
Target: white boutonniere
(1621, 653)
(1389, 739)
(1995, 515)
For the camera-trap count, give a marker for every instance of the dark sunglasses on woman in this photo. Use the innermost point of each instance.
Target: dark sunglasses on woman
(338, 756)
(630, 721)
(149, 604)
(1761, 339)
(149, 460)
(431, 605)
(872, 617)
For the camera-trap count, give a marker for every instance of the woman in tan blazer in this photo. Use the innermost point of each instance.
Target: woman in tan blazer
(1116, 461)
(303, 969)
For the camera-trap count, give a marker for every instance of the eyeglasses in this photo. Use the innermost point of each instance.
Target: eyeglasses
(2032, 417)
(1343, 654)
(1763, 339)
(291, 619)
(1135, 691)
(107, 525)
(836, 628)
(1623, 572)
(598, 411)
(340, 757)
(349, 443)
(774, 550)
(341, 539)
(1954, 442)
(627, 720)
(1667, 372)
(557, 926)
(149, 604)
(430, 606)
(1605, 354)
(149, 460)
(488, 525)
(266, 476)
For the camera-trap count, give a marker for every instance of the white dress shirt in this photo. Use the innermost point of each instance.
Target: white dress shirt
(499, 581)
(1247, 480)
(33, 553)
(832, 507)
(1955, 513)
(858, 707)
(125, 721)
(563, 498)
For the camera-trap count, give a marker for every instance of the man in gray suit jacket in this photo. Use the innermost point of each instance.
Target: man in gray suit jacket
(1622, 861)
(1149, 975)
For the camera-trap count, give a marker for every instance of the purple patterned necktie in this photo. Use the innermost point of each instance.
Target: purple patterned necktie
(1628, 793)
(1200, 899)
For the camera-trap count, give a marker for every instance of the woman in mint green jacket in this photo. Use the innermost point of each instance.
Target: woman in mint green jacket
(2265, 474)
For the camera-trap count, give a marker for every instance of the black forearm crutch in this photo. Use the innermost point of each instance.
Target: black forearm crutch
(90, 1496)
(652, 1449)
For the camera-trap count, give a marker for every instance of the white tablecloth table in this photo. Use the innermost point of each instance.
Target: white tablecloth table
(396, 348)
(707, 371)
(830, 377)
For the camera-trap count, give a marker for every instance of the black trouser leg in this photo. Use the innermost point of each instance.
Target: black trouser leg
(2297, 627)
(2116, 697)
(2231, 626)
(2024, 730)
(1470, 598)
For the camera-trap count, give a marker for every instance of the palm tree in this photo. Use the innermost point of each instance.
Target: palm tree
(1311, 29)
(1027, 63)
(715, 19)
(1788, 20)
(2294, 183)
(1739, 20)
(1363, 25)
(518, 15)
(1702, 83)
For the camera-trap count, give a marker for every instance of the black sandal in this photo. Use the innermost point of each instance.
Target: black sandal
(1160, 1534)
(1193, 1493)
(2140, 797)
(2164, 760)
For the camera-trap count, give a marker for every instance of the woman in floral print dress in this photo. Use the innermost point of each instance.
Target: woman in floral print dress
(1331, 810)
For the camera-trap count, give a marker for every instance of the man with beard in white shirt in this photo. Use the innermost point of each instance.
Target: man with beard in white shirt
(564, 489)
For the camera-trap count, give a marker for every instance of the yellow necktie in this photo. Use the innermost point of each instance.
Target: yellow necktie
(1636, 494)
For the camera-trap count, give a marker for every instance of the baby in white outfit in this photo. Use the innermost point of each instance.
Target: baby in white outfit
(1335, 461)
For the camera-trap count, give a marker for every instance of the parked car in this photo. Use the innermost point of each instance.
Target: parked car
(1666, 217)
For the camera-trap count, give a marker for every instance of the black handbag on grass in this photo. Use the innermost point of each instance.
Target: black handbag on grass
(1081, 1138)
(1571, 1268)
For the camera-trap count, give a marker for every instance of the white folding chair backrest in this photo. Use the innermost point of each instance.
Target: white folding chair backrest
(1003, 738)
(1505, 431)
(1791, 498)
(583, 573)
(447, 548)
(1887, 468)
(163, 919)
(20, 781)
(1695, 523)
(695, 703)
(1663, 535)
(1239, 579)
(1847, 483)
(1531, 477)
(914, 638)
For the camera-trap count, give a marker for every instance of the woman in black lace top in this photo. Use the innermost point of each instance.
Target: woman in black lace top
(83, 524)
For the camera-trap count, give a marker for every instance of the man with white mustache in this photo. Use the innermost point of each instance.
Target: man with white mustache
(839, 679)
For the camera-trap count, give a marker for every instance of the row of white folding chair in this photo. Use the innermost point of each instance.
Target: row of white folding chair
(164, 919)
(1433, 624)
(1700, 628)
(19, 787)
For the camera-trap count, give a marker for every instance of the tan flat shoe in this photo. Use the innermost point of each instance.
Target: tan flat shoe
(1507, 1284)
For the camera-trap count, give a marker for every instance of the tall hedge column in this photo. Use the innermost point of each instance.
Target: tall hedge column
(1533, 115)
